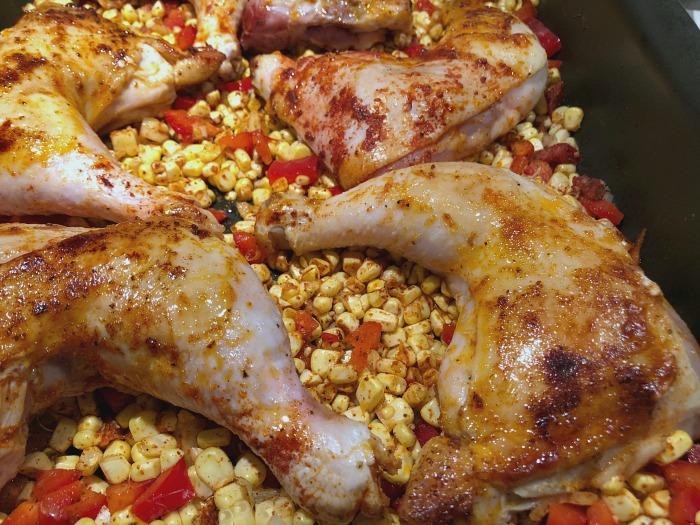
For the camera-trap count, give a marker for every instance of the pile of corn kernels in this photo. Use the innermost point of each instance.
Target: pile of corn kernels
(340, 290)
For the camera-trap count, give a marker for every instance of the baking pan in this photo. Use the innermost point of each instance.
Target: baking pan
(635, 70)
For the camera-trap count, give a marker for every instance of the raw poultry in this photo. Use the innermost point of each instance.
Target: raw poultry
(567, 365)
(69, 74)
(364, 113)
(164, 307)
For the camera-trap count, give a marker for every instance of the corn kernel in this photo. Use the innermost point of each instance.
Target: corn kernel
(656, 504)
(240, 514)
(201, 489)
(62, 437)
(188, 512)
(676, 445)
(145, 470)
(169, 457)
(302, 517)
(214, 437)
(250, 468)
(624, 505)
(340, 403)
(35, 462)
(431, 412)
(115, 468)
(358, 414)
(404, 435)
(85, 438)
(227, 496)
(370, 392)
(342, 374)
(214, 468)
(172, 518)
(125, 415)
(87, 405)
(89, 460)
(646, 483)
(125, 516)
(118, 447)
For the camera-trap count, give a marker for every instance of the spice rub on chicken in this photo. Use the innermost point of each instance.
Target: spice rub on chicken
(68, 74)
(364, 113)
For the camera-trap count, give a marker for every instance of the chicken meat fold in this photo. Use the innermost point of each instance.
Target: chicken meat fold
(67, 72)
(218, 23)
(364, 113)
(567, 365)
(164, 307)
(271, 25)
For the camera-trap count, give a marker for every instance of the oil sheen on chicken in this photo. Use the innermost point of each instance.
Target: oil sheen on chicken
(567, 365)
(164, 307)
(364, 113)
(67, 73)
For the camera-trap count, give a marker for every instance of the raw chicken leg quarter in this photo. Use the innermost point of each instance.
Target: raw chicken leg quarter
(567, 365)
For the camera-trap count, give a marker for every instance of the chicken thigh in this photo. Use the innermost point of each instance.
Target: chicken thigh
(271, 25)
(364, 113)
(66, 71)
(567, 365)
(164, 307)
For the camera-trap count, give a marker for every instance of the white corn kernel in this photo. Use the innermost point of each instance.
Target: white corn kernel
(323, 360)
(370, 392)
(67, 462)
(302, 517)
(125, 414)
(404, 435)
(62, 437)
(646, 483)
(89, 460)
(573, 117)
(187, 513)
(676, 445)
(250, 468)
(96, 484)
(342, 374)
(116, 469)
(200, 487)
(169, 457)
(118, 447)
(396, 412)
(624, 505)
(214, 468)
(85, 438)
(392, 383)
(228, 495)
(431, 412)
(358, 414)
(35, 462)
(389, 321)
(240, 514)
(144, 470)
(613, 486)
(125, 517)
(214, 437)
(656, 504)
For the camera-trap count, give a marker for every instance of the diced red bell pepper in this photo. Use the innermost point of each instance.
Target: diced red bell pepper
(335, 190)
(219, 215)
(242, 140)
(519, 164)
(684, 504)
(363, 340)
(249, 247)
(185, 37)
(88, 506)
(48, 481)
(115, 399)
(425, 432)
(291, 169)
(528, 10)
(682, 472)
(603, 209)
(260, 143)
(425, 5)
(306, 324)
(330, 337)
(414, 49)
(173, 19)
(124, 494)
(600, 514)
(448, 331)
(184, 124)
(551, 63)
(693, 455)
(392, 490)
(184, 102)
(538, 168)
(52, 507)
(523, 148)
(170, 490)
(549, 41)
(26, 513)
(566, 514)
(245, 84)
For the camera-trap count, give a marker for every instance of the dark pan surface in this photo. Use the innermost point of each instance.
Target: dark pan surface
(635, 70)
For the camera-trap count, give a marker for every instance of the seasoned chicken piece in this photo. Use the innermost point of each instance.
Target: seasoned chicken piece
(567, 365)
(164, 307)
(366, 113)
(271, 25)
(66, 71)
(218, 22)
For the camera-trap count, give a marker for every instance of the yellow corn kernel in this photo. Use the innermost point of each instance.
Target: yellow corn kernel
(378, 428)
(396, 412)
(125, 516)
(35, 462)
(347, 322)
(393, 384)
(676, 445)
(656, 504)
(85, 438)
(89, 460)
(228, 495)
(302, 517)
(188, 512)
(170, 456)
(390, 366)
(368, 270)
(431, 412)
(62, 437)
(358, 414)
(646, 520)
(323, 360)
(144, 470)
(415, 394)
(94, 483)
(214, 468)
(118, 447)
(250, 468)
(124, 142)
(370, 392)
(423, 327)
(244, 189)
(214, 437)
(260, 196)
(404, 435)
(85, 521)
(93, 423)
(240, 514)
(172, 518)
(87, 405)
(125, 415)
(402, 474)
(388, 320)
(67, 462)
(646, 483)
(116, 469)
(340, 403)
(200, 487)
(26, 493)
(624, 505)
(342, 374)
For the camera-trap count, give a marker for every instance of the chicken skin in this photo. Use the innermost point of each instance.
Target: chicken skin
(164, 307)
(567, 365)
(364, 113)
(272, 25)
(68, 74)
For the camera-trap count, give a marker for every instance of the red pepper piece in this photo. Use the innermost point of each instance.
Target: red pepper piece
(425, 432)
(48, 481)
(242, 140)
(600, 514)
(425, 5)
(306, 324)
(173, 19)
(549, 41)
(260, 143)
(363, 340)
(249, 247)
(330, 337)
(88, 506)
(26, 513)
(414, 50)
(124, 494)
(566, 514)
(335, 190)
(52, 507)
(245, 84)
(448, 332)
(559, 154)
(554, 96)
(184, 102)
(538, 168)
(519, 164)
(603, 209)
(291, 169)
(528, 10)
(170, 490)
(185, 37)
(589, 187)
